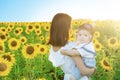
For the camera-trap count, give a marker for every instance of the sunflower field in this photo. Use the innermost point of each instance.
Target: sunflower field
(24, 50)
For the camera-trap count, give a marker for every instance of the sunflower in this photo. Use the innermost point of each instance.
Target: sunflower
(117, 28)
(18, 31)
(47, 27)
(24, 78)
(3, 37)
(97, 34)
(70, 33)
(41, 79)
(11, 25)
(47, 39)
(4, 67)
(9, 57)
(94, 40)
(113, 42)
(43, 49)
(8, 29)
(37, 26)
(105, 64)
(38, 31)
(71, 39)
(3, 30)
(98, 46)
(29, 51)
(2, 47)
(41, 38)
(13, 44)
(30, 27)
(23, 39)
(27, 31)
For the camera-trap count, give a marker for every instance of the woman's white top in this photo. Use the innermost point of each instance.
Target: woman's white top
(65, 62)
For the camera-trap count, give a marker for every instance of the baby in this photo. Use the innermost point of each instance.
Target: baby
(83, 46)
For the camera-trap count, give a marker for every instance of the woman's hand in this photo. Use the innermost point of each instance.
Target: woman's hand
(83, 69)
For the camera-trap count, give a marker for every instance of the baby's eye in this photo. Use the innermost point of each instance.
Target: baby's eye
(85, 35)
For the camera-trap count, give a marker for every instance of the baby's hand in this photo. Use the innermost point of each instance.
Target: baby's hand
(63, 51)
(66, 52)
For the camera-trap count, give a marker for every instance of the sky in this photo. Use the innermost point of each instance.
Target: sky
(44, 10)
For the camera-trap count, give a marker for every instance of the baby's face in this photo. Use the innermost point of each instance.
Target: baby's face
(84, 36)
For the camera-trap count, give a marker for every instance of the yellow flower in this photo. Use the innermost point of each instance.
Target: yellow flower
(8, 29)
(98, 46)
(105, 64)
(41, 79)
(38, 31)
(11, 25)
(41, 38)
(47, 39)
(3, 37)
(37, 26)
(113, 42)
(23, 39)
(13, 44)
(47, 27)
(9, 57)
(4, 67)
(2, 47)
(30, 27)
(97, 34)
(3, 30)
(70, 33)
(29, 51)
(43, 49)
(18, 31)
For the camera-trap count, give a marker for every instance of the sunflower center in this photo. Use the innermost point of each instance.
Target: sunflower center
(112, 41)
(3, 66)
(30, 49)
(6, 34)
(8, 29)
(30, 27)
(7, 57)
(105, 63)
(47, 27)
(16, 31)
(37, 26)
(11, 26)
(2, 36)
(97, 46)
(22, 40)
(42, 49)
(14, 43)
(20, 29)
(1, 48)
(3, 30)
(38, 31)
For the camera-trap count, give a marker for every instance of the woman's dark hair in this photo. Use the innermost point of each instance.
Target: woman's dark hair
(59, 29)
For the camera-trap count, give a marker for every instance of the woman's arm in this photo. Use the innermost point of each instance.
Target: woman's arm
(83, 69)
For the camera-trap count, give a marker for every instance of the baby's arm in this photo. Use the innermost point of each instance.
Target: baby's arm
(71, 52)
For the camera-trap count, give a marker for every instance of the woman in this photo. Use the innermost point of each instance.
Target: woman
(59, 34)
